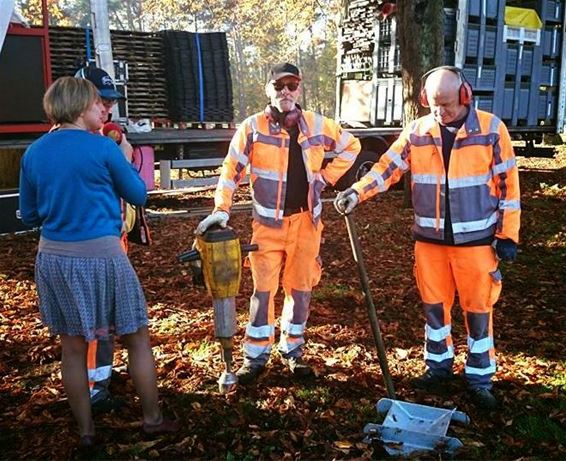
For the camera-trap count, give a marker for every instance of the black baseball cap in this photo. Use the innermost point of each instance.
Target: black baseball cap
(102, 81)
(284, 69)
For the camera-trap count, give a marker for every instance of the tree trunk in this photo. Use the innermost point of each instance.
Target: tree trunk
(239, 77)
(421, 46)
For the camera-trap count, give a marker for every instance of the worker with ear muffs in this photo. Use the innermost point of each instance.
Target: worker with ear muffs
(284, 148)
(465, 193)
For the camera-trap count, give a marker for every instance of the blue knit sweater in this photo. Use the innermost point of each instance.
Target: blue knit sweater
(71, 182)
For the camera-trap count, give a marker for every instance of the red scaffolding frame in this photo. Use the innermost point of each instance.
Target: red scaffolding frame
(42, 32)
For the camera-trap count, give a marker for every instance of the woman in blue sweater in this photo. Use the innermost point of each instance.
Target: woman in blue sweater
(71, 182)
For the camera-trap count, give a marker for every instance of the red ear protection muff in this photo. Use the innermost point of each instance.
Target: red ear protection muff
(287, 119)
(465, 94)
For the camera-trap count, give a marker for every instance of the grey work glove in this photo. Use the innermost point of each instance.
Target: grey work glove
(346, 201)
(218, 217)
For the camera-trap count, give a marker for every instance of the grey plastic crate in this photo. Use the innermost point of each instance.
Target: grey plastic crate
(549, 74)
(551, 40)
(554, 10)
(474, 8)
(546, 105)
(473, 41)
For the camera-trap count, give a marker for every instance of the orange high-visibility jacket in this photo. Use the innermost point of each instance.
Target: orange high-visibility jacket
(483, 179)
(263, 146)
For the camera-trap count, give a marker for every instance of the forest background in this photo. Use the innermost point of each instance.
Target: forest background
(259, 34)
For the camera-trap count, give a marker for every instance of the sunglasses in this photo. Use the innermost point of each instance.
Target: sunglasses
(291, 86)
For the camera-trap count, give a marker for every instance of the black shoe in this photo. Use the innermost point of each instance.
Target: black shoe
(429, 380)
(483, 398)
(248, 374)
(107, 405)
(299, 367)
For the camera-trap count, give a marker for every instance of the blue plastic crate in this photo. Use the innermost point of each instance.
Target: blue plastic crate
(473, 41)
(547, 105)
(522, 109)
(474, 8)
(484, 102)
(551, 41)
(554, 10)
(549, 74)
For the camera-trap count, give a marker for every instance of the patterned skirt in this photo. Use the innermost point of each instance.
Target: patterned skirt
(89, 296)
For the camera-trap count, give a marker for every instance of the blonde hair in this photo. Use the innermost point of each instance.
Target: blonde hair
(67, 98)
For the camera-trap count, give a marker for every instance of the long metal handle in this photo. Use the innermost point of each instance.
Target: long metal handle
(374, 322)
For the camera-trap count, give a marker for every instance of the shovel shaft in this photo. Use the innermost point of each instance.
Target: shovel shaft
(374, 322)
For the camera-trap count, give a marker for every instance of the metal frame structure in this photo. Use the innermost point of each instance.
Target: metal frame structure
(42, 32)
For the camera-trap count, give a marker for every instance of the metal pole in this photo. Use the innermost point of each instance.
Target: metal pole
(374, 322)
(102, 42)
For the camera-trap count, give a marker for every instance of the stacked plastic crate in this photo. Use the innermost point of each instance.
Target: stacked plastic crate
(478, 47)
(387, 101)
(199, 85)
(552, 14)
(513, 67)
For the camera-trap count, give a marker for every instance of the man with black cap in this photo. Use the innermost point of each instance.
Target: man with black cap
(284, 148)
(110, 97)
(100, 355)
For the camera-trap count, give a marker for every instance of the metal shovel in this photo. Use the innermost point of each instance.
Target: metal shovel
(408, 428)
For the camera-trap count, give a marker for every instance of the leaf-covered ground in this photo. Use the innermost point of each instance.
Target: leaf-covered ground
(281, 418)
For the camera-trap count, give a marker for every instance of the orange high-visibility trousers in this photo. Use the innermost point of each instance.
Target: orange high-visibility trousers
(294, 247)
(442, 270)
(100, 356)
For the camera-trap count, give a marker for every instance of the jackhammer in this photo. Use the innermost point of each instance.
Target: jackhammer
(216, 262)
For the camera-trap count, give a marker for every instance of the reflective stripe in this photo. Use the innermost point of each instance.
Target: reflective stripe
(266, 174)
(397, 160)
(437, 334)
(471, 226)
(318, 124)
(268, 212)
(343, 142)
(504, 166)
(293, 328)
(264, 331)
(449, 354)
(377, 178)
(428, 179)
(494, 125)
(349, 156)
(100, 373)
(477, 346)
(481, 371)
(429, 222)
(469, 181)
(317, 209)
(238, 156)
(271, 140)
(509, 204)
(228, 183)
(254, 351)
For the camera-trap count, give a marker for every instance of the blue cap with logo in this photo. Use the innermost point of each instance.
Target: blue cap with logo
(102, 81)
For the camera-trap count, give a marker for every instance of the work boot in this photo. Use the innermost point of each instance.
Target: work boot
(298, 367)
(483, 398)
(429, 380)
(248, 374)
(107, 405)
